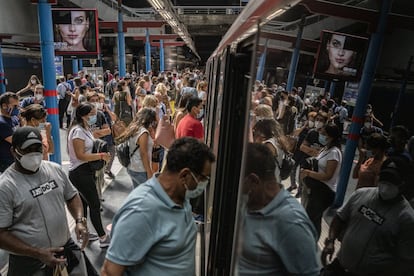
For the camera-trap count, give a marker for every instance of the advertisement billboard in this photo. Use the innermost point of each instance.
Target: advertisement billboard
(75, 31)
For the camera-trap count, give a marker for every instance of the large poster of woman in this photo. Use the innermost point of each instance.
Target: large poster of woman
(75, 31)
(340, 56)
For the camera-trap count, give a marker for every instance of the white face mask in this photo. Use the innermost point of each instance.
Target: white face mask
(201, 186)
(41, 126)
(311, 124)
(31, 161)
(98, 106)
(318, 125)
(33, 82)
(39, 97)
(387, 191)
(368, 124)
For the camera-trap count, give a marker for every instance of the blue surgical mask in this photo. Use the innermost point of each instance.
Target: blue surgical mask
(14, 111)
(92, 120)
(41, 126)
(323, 140)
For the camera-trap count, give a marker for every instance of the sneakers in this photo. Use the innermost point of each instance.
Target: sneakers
(105, 242)
(93, 237)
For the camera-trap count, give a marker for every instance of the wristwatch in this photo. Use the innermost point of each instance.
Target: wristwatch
(81, 220)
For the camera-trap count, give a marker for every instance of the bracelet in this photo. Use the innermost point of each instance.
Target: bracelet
(81, 220)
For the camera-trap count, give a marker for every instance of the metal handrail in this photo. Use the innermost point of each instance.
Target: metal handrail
(208, 10)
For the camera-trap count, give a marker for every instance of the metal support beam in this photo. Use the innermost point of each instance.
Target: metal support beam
(147, 53)
(75, 66)
(161, 55)
(364, 92)
(130, 24)
(157, 37)
(49, 74)
(2, 78)
(295, 56)
(121, 43)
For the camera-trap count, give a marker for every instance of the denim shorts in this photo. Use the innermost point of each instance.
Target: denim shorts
(137, 177)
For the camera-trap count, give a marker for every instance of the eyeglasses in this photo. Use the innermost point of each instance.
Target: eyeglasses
(204, 177)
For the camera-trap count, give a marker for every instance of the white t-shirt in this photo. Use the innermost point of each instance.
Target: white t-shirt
(136, 164)
(78, 132)
(324, 156)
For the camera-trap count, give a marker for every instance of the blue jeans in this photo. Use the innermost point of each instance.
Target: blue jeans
(137, 177)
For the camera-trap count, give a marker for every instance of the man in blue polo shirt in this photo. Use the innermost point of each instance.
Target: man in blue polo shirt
(154, 232)
(277, 236)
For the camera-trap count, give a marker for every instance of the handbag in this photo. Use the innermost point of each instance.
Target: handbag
(118, 128)
(164, 134)
(99, 146)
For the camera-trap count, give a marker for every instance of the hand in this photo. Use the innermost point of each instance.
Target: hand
(303, 173)
(48, 256)
(362, 154)
(327, 251)
(106, 156)
(82, 234)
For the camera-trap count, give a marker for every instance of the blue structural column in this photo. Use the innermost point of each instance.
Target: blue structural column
(121, 42)
(332, 89)
(362, 101)
(80, 64)
(147, 51)
(161, 55)
(2, 77)
(401, 93)
(262, 63)
(49, 75)
(75, 68)
(295, 56)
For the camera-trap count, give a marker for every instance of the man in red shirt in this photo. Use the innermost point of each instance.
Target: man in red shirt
(189, 125)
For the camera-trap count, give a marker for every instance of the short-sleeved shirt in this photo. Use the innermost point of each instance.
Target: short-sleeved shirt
(152, 235)
(78, 132)
(189, 127)
(136, 163)
(7, 127)
(32, 207)
(278, 240)
(326, 155)
(377, 234)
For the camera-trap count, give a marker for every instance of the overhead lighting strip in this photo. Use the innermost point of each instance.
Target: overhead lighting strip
(167, 12)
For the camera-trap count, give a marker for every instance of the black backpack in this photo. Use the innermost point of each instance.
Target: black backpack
(287, 165)
(122, 151)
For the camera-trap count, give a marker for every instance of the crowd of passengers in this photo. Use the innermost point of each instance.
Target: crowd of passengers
(154, 231)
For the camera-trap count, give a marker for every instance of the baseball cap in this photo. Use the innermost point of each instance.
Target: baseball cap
(26, 136)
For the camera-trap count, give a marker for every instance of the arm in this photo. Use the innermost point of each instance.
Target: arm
(75, 208)
(143, 151)
(79, 147)
(112, 269)
(361, 159)
(27, 87)
(48, 128)
(129, 98)
(11, 243)
(8, 139)
(335, 229)
(104, 131)
(304, 147)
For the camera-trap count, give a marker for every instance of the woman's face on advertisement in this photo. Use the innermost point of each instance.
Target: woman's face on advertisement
(338, 56)
(74, 33)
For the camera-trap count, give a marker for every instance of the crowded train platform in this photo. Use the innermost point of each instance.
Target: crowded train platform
(286, 148)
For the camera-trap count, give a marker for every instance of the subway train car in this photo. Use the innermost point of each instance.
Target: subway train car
(232, 71)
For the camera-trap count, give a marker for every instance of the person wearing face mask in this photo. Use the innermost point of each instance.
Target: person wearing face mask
(140, 134)
(29, 89)
(80, 143)
(38, 98)
(35, 116)
(321, 184)
(189, 126)
(298, 155)
(366, 132)
(100, 129)
(154, 233)
(276, 236)
(8, 123)
(376, 225)
(33, 220)
(367, 169)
